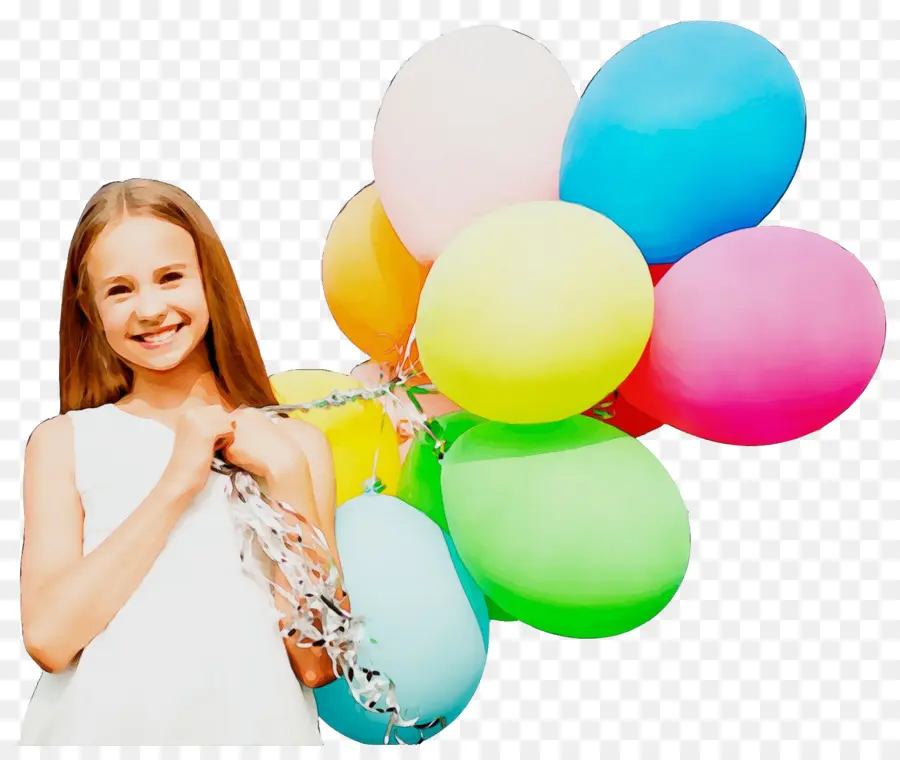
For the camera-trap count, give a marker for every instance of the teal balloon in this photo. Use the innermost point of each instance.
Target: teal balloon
(426, 621)
(420, 476)
(689, 132)
(473, 593)
(572, 527)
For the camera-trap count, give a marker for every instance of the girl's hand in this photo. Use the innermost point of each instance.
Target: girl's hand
(260, 447)
(199, 432)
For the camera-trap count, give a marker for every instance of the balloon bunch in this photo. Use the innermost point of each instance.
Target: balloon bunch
(542, 278)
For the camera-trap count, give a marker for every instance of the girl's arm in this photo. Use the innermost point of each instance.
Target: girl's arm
(310, 489)
(67, 598)
(320, 460)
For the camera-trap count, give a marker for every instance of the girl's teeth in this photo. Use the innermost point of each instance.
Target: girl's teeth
(160, 337)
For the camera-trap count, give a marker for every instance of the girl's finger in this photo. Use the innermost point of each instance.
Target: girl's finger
(225, 440)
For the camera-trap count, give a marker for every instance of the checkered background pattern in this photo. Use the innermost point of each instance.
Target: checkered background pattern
(783, 640)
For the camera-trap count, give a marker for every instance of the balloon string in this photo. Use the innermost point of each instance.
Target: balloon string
(374, 484)
(408, 351)
(418, 420)
(403, 354)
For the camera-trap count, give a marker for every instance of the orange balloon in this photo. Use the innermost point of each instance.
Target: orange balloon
(371, 282)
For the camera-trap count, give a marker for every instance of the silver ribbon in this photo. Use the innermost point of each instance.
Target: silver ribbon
(277, 531)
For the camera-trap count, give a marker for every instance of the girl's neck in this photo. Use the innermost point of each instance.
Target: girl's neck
(192, 381)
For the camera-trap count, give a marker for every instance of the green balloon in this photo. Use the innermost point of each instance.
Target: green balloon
(419, 484)
(420, 477)
(573, 527)
(495, 613)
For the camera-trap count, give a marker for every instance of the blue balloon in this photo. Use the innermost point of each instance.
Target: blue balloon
(689, 132)
(426, 622)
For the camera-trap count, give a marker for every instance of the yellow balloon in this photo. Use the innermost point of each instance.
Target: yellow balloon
(535, 311)
(355, 430)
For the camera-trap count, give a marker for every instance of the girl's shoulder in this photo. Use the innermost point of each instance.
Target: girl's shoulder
(50, 449)
(94, 444)
(51, 432)
(52, 426)
(302, 431)
(312, 441)
(58, 434)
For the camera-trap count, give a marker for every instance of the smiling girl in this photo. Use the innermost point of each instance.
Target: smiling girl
(134, 600)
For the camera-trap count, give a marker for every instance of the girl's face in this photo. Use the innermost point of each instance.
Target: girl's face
(146, 285)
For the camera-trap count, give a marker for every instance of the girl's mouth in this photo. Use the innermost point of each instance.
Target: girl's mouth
(158, 338)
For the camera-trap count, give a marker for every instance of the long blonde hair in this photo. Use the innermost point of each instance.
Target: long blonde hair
(90, 373)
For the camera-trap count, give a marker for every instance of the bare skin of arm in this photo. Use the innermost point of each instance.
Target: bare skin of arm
(67, 598)
(308, 486)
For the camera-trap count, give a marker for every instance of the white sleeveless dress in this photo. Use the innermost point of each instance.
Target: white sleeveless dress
(195, 656)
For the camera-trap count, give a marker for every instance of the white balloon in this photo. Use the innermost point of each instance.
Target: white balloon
(473, 122)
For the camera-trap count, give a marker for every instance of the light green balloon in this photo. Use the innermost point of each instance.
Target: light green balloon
(420, 477)
(419, 484)
(572, 527)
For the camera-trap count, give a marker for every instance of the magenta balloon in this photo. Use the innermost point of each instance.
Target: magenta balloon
(760, 336)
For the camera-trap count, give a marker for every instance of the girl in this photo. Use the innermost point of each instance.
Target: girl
(134, 601)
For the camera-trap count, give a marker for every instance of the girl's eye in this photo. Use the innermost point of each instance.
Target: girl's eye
(171, 276)
(116, 290)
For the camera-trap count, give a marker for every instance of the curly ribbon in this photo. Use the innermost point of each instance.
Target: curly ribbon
(298, 547)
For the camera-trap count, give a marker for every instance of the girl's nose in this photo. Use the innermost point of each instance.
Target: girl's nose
(150, 303)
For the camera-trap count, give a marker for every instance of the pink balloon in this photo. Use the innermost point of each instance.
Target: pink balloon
(473, 122)
(760, 336)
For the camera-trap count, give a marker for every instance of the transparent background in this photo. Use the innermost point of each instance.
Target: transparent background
(783, 639)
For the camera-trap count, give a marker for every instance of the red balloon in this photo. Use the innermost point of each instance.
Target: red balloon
(658, 271)
(625, 417)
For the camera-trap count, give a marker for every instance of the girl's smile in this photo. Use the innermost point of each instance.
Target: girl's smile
(155, 339)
